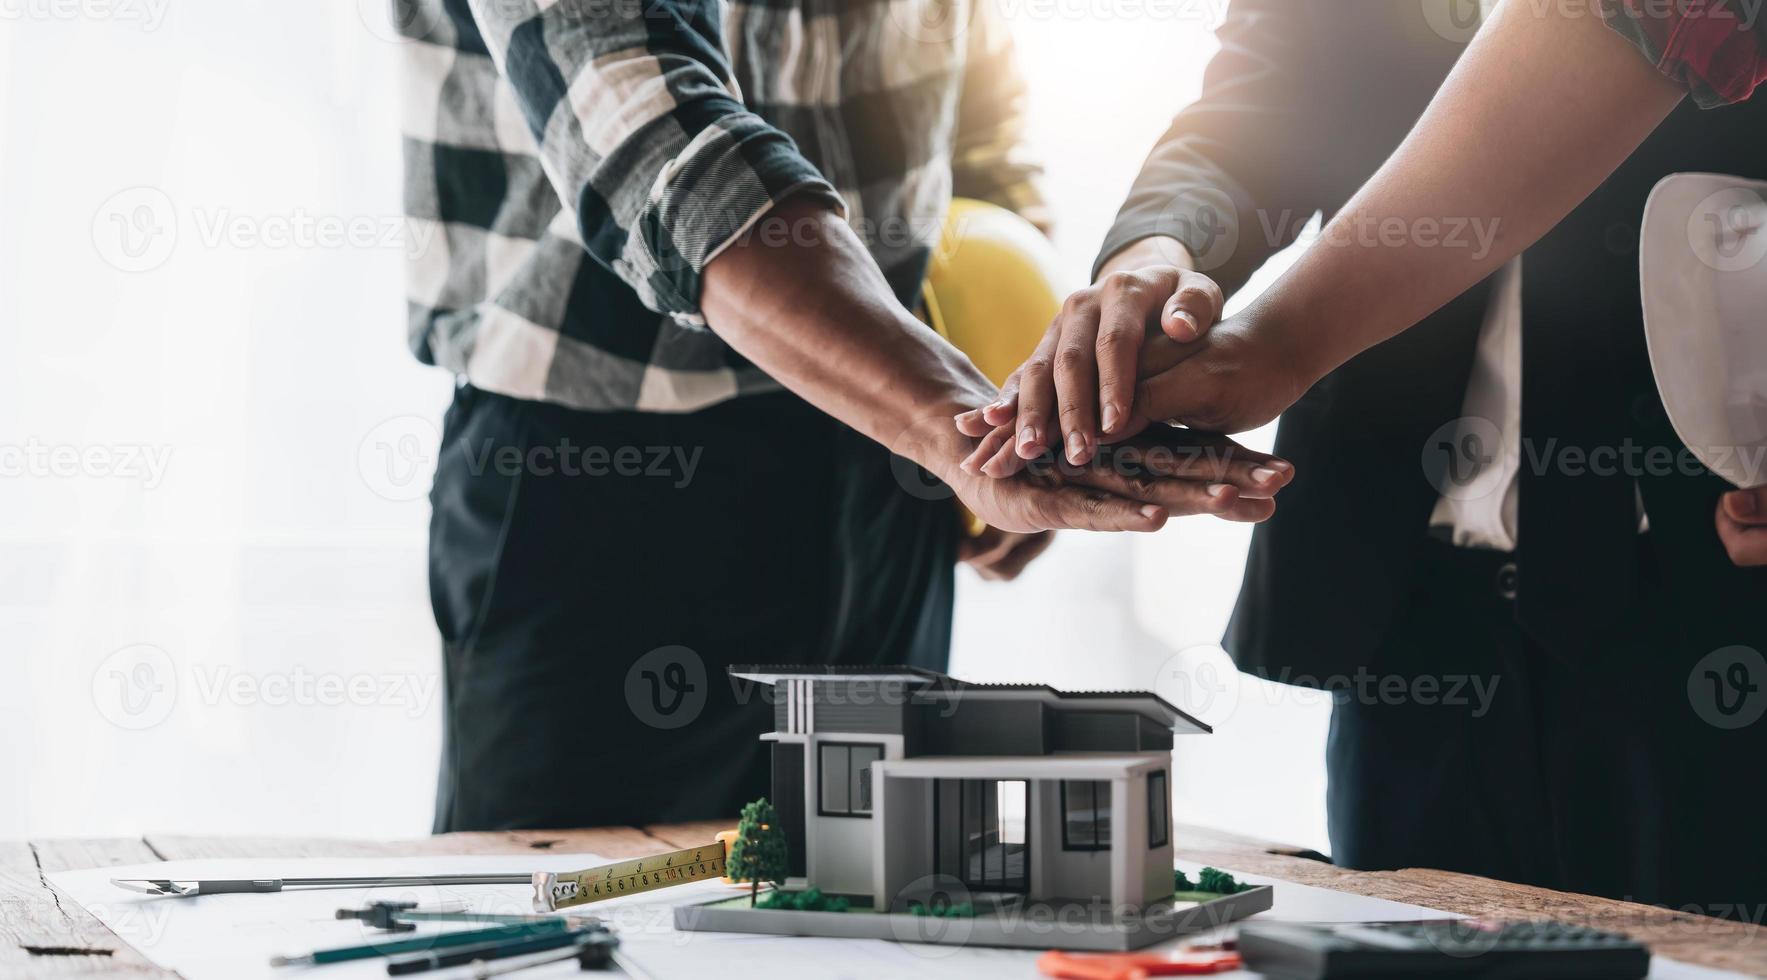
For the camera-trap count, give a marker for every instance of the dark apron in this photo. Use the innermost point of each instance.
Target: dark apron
(594, 574)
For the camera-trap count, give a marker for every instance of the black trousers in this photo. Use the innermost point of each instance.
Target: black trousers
(594, 574)
(1612, 776)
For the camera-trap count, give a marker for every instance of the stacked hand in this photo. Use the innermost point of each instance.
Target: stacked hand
(1132, 486)
(1141, 345)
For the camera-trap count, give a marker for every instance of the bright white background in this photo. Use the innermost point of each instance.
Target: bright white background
(213, 612)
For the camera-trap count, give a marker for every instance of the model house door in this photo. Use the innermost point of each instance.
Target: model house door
(788, 803)
(990, 827)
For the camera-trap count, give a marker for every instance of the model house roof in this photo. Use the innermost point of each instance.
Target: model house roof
(774, 673)
(935, 685)
(1088, 765)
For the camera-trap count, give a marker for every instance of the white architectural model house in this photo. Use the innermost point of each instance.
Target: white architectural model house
(905, 792)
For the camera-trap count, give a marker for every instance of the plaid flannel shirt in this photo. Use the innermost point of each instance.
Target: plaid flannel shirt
(573, 165)
(1717, 49)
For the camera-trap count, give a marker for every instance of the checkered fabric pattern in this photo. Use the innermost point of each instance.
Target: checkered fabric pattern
(573, 165)
(1717, 49)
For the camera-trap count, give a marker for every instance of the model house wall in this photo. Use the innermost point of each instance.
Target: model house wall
(1076, 873)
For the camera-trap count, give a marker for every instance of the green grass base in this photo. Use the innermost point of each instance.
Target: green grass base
(855, 903)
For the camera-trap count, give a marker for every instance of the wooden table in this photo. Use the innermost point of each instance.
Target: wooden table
(40, 934)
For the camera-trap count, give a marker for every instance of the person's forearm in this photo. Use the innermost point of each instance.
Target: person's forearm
(1545, 104)
(802, 299)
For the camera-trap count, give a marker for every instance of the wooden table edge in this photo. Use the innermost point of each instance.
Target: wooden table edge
(69, 941)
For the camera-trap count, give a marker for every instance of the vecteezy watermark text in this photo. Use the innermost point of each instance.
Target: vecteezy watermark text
(1474, 235)
(676, 464)
(1458, 21)
(40, 460)
(397, 458)
(1212, 227)
(149, 14)
(138, 229)
(303, 688)
(1460, 454)
(136, 687)
(1364, 687)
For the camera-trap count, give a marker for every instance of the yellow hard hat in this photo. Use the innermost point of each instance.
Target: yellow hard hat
(992, 287)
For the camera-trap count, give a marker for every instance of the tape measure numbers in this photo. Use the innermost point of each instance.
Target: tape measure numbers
(563, 890)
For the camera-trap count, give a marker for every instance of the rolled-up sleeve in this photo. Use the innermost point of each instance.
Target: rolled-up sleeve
(1716, 49)
(641, 132)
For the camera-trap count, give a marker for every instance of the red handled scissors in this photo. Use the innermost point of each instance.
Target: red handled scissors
(1133, 966)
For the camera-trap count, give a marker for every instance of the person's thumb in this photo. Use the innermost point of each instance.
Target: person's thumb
(1747, 507)
(1193, 307)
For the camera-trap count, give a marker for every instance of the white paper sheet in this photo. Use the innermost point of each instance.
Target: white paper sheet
(232, 937)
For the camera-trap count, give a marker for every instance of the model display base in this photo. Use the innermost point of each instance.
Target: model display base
(1000, 921)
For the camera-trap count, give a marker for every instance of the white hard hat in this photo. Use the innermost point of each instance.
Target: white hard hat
(1703, 264)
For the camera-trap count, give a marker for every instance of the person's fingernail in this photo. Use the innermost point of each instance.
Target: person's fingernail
(1110, 418)
(1027, 437)
(1076, 447)
(1264, 474)
(1217, 489)
(1742, 504)
(1184, 318)
(1151, 512)
(1280, 465)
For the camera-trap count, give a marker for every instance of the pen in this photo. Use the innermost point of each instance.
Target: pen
(595, 954)
(439, 959)
(419, 944)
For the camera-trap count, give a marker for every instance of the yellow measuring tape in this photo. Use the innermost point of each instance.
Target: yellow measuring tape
(562, 890)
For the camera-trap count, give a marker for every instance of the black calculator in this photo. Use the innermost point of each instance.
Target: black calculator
(1439, 947)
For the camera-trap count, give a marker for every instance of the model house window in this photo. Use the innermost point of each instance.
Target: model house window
(1085, 815)
(1159, 808)
(846, 779)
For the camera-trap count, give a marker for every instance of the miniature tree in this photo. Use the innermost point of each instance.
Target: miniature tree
(1219, 882)
(758, 852)
(1181, 882)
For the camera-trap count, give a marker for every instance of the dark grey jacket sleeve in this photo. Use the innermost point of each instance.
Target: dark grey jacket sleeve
(1239, 172)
